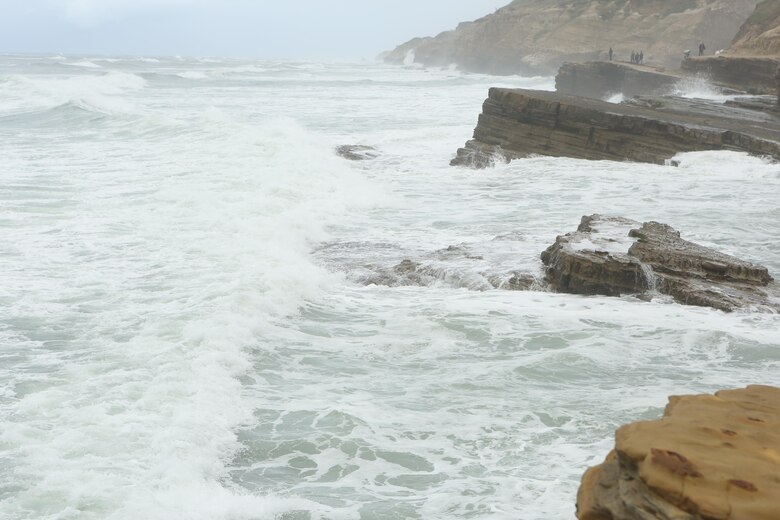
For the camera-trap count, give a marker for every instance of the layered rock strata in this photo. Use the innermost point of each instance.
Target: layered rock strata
(517, 123)
(613, 256)
(603, 79)
(710, 457)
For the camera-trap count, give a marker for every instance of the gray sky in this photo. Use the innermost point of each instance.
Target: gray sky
(314, 29)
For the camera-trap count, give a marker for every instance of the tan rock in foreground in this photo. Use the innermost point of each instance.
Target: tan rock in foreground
(709, 458)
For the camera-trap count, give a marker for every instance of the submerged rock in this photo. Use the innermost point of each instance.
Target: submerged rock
(414, 273)
(613, 256)
(357, 152)
(710, 457)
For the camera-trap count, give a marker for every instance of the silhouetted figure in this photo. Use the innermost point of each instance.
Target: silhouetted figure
(633, 57)
(610, 54)
(702, 48)
(641, 57)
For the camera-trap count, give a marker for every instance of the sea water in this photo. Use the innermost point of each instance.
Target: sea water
(185, 326)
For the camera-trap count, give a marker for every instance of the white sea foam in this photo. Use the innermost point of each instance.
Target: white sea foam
(174, 349)
(193, 74)
(103, 92)
(83, 63)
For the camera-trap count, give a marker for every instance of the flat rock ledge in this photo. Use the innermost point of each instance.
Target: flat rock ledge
(614, 256)
(713, 457)
(518, 123)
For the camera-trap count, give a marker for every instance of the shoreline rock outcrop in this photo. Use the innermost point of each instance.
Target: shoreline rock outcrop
(614, 256)
(713, 457)
(752, 74)
(516, 123)
(602, 79)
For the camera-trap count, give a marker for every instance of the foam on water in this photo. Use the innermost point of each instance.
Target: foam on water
(182, 339)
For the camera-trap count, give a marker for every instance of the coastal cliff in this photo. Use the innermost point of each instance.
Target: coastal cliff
(537, 36)
(517, 123)
(710, 456)
(760, 35)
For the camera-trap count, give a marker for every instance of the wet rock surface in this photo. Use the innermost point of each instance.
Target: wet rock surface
(603, 79)
(517, 123)
(357, 152)
(752, 74)
(614, 256)
(478, 267)
(710, 457)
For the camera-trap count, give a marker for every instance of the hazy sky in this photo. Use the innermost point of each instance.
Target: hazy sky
(319, 29)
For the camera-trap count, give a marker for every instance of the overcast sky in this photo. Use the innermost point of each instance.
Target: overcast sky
(313, 29)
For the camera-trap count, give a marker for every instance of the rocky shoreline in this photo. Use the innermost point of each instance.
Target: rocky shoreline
(516, 123)
(711, 457)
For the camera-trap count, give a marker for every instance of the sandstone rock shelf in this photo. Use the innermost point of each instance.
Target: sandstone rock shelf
(713, 457)
(613, 256)
(517, 123)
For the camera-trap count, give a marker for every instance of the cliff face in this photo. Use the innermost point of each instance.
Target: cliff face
(760, 35)
(537, 36)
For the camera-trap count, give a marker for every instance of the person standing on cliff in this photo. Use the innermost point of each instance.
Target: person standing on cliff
(633, 57)
(641, 57)
(610, 54)
(702, 48)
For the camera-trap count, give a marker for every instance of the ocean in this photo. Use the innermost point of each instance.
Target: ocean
(189, 328)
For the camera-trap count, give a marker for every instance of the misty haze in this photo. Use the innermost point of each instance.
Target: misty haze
(373, 260)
